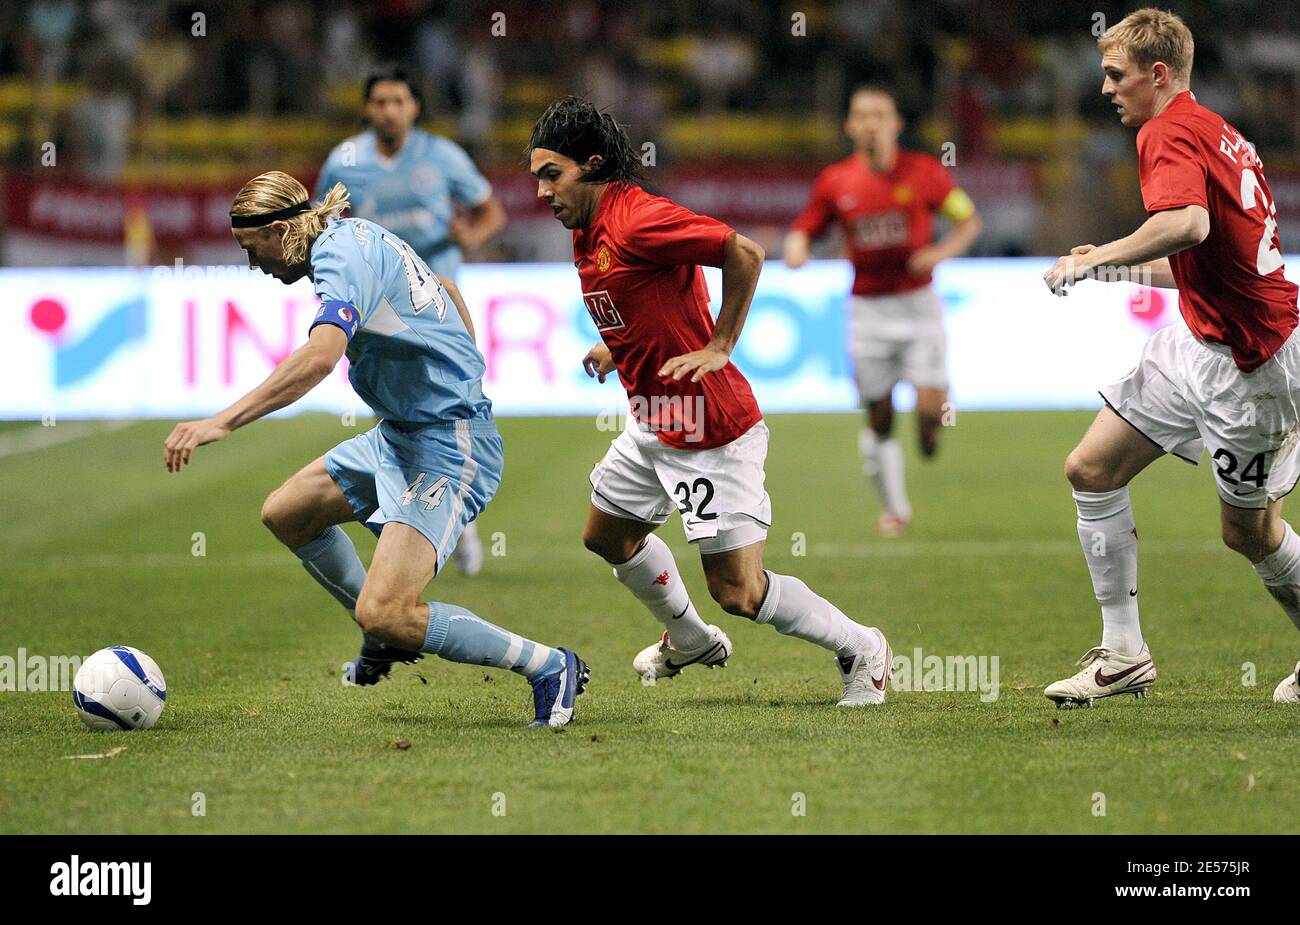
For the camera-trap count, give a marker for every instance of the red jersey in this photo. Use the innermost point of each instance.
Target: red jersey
(884, 217)
(639, 261)
(1231, 287)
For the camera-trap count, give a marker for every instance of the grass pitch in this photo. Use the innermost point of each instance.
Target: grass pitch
(97, 548)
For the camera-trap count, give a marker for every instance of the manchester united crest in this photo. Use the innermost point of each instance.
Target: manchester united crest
(604, 259)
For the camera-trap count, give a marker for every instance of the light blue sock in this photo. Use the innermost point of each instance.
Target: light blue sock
(332, 560)
(457, 635)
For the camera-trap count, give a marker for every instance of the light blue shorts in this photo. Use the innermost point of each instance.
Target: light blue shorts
(436, 478)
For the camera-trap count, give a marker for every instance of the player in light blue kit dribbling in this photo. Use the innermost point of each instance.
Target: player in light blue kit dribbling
(430, 466)
(423, 188)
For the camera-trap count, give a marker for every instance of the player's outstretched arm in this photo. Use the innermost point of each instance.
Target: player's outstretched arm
(796, 249)
(1157, 273)
(478, 224)
(742, 261)
(459, 301)
(598, 363)
(959, 239)
(298, 374)
(1162, 234)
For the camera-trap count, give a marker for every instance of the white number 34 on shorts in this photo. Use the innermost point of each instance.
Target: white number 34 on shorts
(1187, 396)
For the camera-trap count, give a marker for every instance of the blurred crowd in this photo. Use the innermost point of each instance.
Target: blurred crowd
(1000, 79)
(283, 56)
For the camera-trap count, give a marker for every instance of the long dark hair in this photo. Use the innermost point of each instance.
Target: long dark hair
(575, 128)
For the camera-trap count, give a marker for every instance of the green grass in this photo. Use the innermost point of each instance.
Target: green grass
(96, 550)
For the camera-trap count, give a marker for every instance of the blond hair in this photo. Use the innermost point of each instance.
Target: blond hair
(1152, 35)
(275, 190)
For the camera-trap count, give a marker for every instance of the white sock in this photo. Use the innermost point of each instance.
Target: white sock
(1280, 571)
(882, 462)
(652, 576)
(1110, 545)
(793, 608)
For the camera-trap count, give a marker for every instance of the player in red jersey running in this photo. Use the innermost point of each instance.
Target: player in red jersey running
(695, 439)
(884, 199)
(1228, 382)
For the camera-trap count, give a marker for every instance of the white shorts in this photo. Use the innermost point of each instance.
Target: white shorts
(719, 492)
(897, 337)
(1187, 396)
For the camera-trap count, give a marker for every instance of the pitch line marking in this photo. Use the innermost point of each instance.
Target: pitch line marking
(41, 438)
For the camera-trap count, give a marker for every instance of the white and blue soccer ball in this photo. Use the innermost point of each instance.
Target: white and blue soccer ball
(119, 688)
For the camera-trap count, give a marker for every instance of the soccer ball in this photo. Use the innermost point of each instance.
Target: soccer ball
(119, 688)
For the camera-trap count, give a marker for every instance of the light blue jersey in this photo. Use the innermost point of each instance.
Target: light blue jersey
(435, 460)
(413, 194)
(412, 359)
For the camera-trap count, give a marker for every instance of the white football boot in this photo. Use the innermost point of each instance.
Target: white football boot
(663, 660)
(866, 679)
(1289, 690)
(1104, 674)
(468, 554)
